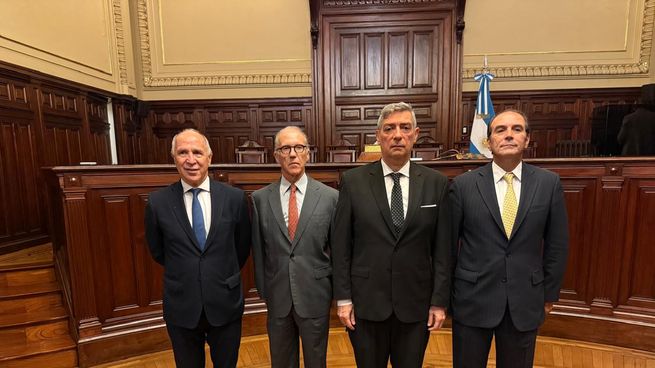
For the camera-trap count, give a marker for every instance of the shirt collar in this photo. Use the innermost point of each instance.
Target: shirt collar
(204, 185)
(499, 172)
(386, 170)
(301, 184)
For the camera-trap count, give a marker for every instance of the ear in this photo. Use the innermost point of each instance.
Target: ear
(416, 131)
(527, 141)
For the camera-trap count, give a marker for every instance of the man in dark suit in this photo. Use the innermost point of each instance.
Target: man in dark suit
(391, 250)
(510, 250)
(199, 230)
(637, 134)
(291, 250)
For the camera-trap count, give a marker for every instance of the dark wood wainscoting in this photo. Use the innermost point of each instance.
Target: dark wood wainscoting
(44, 121)
(114, 288)
(554, 115)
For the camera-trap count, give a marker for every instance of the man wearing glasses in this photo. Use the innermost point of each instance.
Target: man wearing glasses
(291, 251)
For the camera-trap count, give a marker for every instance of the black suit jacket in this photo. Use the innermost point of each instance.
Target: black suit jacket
(637, 134)
(490, 270)
(381, 272)
(195, 280)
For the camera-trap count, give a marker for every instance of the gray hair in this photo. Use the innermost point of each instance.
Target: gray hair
(189, 130)
(393, 108)
(290, 127)
(519, 112)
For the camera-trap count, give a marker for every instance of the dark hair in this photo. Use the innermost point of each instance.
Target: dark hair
(525, 119)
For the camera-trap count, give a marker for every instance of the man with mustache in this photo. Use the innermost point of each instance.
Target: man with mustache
(199, 230)
(509, 250)
(391, 250)
(291, 251)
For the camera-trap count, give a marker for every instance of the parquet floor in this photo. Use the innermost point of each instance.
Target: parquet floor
(550, 352)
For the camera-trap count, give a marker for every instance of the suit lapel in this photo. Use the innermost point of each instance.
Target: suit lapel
(218, 197)
(276, 208)
(415, 184)
(487, 189)
(380, 194)
(529, 187)
(180, 213)
(312, 196)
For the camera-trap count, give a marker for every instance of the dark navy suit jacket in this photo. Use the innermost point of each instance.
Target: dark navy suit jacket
(492, 271)
(195, 280)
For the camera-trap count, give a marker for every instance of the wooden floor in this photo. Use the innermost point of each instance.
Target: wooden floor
(550, 352)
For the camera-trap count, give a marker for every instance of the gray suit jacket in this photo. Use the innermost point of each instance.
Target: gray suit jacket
(491, 271)
(294, 273)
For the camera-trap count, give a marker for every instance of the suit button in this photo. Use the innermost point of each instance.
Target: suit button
(292, 255)
(504, 280)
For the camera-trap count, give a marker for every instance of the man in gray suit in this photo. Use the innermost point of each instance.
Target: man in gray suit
(291, 250)
(510, 250)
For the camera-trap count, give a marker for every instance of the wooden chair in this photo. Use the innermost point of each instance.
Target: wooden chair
(427, 148)
(250, 152)
(574, 148)
(342, 151)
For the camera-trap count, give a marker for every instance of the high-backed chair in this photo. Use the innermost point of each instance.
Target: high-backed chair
(427, 148)
(250, 152)
(342, 151)
(574, 148)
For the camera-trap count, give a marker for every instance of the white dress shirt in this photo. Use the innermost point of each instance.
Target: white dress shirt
(205, 199)
(285, 193)
(501, 185)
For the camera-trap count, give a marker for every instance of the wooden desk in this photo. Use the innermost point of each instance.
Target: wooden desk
(113, 288)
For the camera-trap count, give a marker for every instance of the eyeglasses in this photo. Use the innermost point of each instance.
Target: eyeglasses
(298, 148)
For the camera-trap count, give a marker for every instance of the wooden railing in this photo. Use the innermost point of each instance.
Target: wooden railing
(113, 288)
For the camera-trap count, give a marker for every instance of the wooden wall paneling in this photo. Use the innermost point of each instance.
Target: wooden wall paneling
(168, 122)
(368, 55)
(98, 141)
(605, 272)
(22, 220)
(227, 128)
(63, 127)
(131, 139)
(553, 115)
(580, 195)
(637, 295)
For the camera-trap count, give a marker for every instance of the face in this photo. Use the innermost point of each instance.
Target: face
(397, 137)
(292, 164)
(192, 157)
(508, 137)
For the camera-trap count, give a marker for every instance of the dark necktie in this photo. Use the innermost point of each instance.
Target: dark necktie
(293, 212)
(198, 219)
(397, 213)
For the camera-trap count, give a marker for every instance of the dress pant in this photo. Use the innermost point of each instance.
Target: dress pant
(189, 344)
(283, 334)
(514, 348)
(375, 343)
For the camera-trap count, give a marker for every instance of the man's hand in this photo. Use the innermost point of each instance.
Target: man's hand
(346, 315)
(548, 307)
(436, 317)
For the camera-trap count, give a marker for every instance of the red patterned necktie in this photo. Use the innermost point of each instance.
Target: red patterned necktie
(293, 212)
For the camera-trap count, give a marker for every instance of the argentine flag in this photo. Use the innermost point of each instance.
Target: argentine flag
(484, 112)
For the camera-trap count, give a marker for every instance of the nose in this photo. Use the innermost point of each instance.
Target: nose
(191, 159)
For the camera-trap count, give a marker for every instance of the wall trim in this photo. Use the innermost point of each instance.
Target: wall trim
(641, 67)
